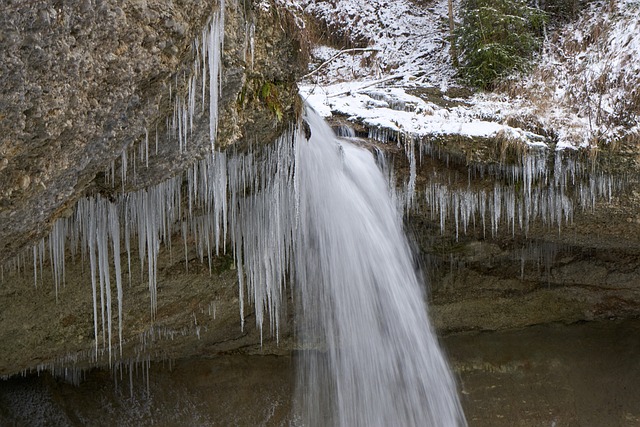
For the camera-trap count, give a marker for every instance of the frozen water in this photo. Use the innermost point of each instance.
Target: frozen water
(317, 212)
(529, 191)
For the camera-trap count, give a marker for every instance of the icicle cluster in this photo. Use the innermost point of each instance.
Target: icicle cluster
(202, 90)
(521, 194)
(206, 68)
(243, 198)
(149, 214)
(541, 255)
(541, 186)
(100, 227)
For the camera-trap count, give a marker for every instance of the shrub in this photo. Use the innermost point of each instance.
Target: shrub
(497, 37)
(560, 11)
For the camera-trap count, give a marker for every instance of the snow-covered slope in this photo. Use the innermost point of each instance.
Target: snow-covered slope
(409, 38)
(587, 86)
(407, 50)
(584, 91)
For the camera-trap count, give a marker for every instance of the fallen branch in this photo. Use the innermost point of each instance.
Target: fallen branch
(341, 52)
(373, 83)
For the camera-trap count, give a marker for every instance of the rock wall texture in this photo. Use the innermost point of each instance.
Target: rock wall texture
(82, 81)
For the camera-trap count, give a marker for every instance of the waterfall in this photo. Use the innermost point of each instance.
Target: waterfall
(310, 211)
(314, 210)
(370, 357)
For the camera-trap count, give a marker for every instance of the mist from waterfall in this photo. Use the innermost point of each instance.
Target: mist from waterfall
(370, 357)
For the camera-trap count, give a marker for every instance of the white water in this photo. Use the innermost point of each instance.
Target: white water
(316, 211)
(370, 358)
(319, 211)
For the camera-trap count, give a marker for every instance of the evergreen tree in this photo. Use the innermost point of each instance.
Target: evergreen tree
(497, 37)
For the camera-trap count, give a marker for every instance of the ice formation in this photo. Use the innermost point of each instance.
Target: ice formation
(315, 212)
(286, 219)
(99, 227)
(523, 193)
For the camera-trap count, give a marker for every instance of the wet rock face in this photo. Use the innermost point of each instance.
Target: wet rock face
(83, 80)
(511, 266)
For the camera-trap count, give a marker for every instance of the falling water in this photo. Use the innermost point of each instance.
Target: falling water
(317, 210)
(370, 355)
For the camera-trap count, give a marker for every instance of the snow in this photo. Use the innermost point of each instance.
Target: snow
(410, 39)
(588, 76)
(395, 110)
(407, 48)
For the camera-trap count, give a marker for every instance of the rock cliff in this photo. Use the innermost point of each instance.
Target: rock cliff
(94, 99)
(84, 81)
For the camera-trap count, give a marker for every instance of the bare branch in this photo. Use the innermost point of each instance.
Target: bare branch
(373, 83)
(341, 52)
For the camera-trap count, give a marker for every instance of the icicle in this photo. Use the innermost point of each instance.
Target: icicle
(252, 36)
(113, 173)
(146, 147)
(215, 37)
(89, 226)
(149, 226)
(124, 167)
(57, 240)
(102, 239)
(192, 99)
(134, 164)
(186, 249)
(114, 231)
(35, 267)
(410, 151)
(127, 238)
(185, 124)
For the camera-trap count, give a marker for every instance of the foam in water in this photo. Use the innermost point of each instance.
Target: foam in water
(372, 357)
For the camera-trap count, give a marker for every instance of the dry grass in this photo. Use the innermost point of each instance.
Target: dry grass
(510, 150)
(633, 138)
(531, 123)
(321, 32)
(598, 108)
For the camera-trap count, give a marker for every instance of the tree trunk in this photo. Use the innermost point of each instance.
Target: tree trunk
(452, 49)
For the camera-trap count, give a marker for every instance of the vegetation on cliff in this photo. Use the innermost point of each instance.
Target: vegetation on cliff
(496, 38)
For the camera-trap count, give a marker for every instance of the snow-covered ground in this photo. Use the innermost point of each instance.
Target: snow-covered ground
(587, 73)
(393, 109)
(589, 77)
(409, 39)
